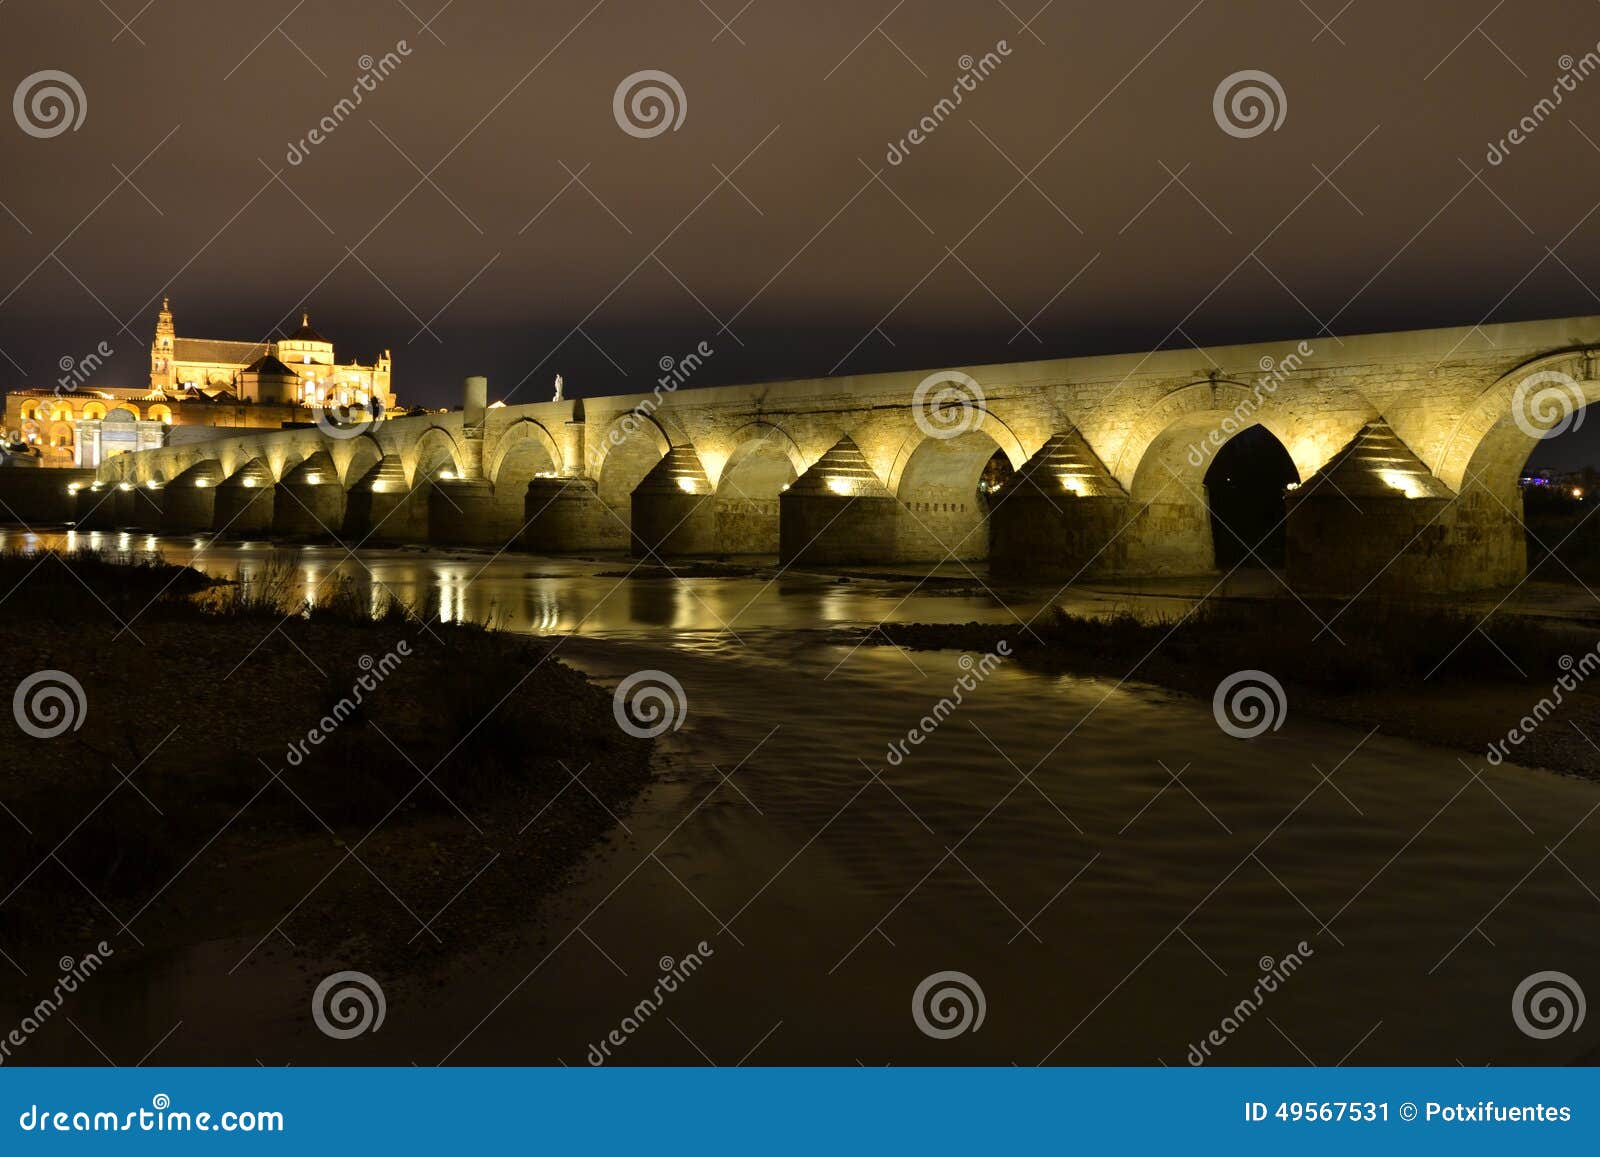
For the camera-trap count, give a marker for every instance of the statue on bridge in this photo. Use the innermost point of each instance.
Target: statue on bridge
(560, 387)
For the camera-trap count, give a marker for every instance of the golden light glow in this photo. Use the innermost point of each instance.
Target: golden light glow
(686, 485)
(1071, 484)
(1577, 492)
(1408, 484)
(840, 486)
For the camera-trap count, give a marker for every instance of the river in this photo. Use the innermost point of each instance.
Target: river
(1112, 871)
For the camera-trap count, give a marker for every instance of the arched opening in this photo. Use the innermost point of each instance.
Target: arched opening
(945, 495)
(1173, 529)
(759, 470)
(127, 408)
(94, 410)
(1512, 454)
(1560, 485)
(156, 413)
(360, 455)
(434, 458)
(633, 445)
(519, 465)
(1244, 489)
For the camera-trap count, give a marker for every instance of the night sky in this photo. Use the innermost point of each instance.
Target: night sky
(483, 212)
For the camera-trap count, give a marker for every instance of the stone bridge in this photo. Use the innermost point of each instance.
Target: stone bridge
(1407, 446)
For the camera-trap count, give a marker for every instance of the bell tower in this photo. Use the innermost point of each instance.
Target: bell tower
(162, 371)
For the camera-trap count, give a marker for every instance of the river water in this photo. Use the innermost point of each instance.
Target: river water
(1111, 870)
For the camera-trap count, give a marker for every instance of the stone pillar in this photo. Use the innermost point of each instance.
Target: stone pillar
(1059, 518)
(244, 503)
(461, 512)
(96, 506)
(838, 512)
(1375, 521)
(563, 515)
(474, 408)
(309, 500)
(138, 505)
(572, 444)
(474, 400)
(189, 502)
(673, 511)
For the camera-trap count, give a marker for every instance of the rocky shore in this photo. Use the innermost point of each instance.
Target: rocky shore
(203, 764)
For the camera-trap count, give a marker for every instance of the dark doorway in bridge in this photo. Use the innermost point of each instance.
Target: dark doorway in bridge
(1560, 484)
(1244, 489)
(997, 472)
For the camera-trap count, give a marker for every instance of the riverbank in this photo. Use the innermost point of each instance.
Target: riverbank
(1520, 688)
(196, 762)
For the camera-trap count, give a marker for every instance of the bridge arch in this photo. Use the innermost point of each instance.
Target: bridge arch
(976, 420)
(940, 482)
(1492, 440)
(630, 447)
(525, 448)
(355, 457)
(1167, 457)
(436, 449)
(764, 462)
(202, 473)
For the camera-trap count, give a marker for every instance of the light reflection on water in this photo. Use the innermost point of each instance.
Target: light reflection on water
(549, 595)
(829, 895)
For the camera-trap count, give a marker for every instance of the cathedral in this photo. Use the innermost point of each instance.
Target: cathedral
(199, 388)
(297, 370)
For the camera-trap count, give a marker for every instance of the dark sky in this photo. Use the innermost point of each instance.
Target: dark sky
(814, 255)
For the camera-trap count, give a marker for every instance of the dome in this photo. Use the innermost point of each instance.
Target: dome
(306, 333)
